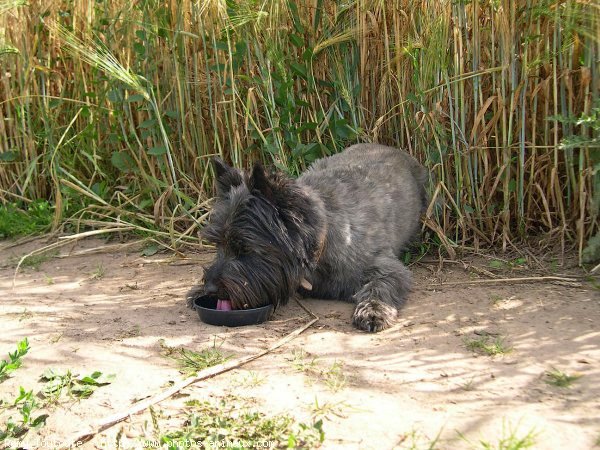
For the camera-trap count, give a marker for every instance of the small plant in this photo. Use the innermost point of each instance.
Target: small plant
(16, 220)
(509, 440)
(416, 440)
(150, 249)
(79, 387)
(15, 359)
(239, 428)
(508, 265)
(249, 380)
(131, 332)
(25, 315)
(86, 385)
(36, 260)
(26, 404)
(558, 378)
(485, 345)
(334, 377)
(496, 299)
(300, 361)
(98, 272)
(468, 385)
(593, 282)
(191, 361)
(325, 409)
(56, 382)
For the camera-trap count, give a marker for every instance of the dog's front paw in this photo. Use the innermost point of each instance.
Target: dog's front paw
(193, 294)
(374, 315)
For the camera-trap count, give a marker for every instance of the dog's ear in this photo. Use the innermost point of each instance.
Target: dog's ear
(259, 181)
(226, 177)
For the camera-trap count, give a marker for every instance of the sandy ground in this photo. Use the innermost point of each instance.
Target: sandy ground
(397, 389)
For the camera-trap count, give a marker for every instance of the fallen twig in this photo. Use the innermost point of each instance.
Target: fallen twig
(210, 372)
(97, 232)
(103, 249)
(506, 280)
(25, 240)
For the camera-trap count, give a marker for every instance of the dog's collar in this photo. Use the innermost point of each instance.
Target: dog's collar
(321, 246)
(317, 257)
(320, 209)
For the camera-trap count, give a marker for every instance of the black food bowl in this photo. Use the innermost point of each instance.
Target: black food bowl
(206, 306)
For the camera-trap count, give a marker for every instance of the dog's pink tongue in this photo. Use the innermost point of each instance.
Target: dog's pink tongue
(224, 305)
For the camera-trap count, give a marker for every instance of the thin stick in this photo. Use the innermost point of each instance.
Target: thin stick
(507, 280)
(96, 232)
(26, 240)
(102, 249)
(210, 372)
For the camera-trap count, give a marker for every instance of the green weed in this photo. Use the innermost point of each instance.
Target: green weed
(334, 376)
(98, 272)
(508, 265)
(417, 440)
(15, 359)
(322, 410)
(25, 404)
(302, 361)
(594, 282)
(16, 220)
(249, 379)
(25, 315)
(57, 383)
(468, 385)
(488, 346)
(510, 439)
(190, 362)
(558, 378)
(36, 260)
(239, 427)
(496, 299)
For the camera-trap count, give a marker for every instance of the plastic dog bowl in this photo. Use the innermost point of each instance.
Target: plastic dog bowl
(206, 306)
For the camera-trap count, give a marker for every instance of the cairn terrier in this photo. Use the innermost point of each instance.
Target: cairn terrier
(334, 233)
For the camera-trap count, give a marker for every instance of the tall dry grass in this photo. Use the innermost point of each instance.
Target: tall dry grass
(113, 108)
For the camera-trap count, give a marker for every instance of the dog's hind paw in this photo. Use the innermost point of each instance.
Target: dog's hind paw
(374, 316)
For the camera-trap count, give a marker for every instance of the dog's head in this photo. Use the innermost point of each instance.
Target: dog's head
(261, 225)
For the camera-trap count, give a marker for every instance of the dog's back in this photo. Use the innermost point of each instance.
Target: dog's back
(372, 186)
(374, 160)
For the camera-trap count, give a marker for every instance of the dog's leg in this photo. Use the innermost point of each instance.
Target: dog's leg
(385, 286)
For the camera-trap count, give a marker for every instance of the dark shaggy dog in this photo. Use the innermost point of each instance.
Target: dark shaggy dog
(335, 232)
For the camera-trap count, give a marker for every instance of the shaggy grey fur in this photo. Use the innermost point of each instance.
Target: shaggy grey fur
(336, 232)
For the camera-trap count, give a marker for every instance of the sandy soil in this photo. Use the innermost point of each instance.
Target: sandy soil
(401, 388)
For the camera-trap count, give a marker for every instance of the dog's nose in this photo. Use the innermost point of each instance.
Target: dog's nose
(210, 288)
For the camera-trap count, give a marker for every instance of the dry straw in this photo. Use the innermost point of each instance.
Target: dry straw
(115, 107)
